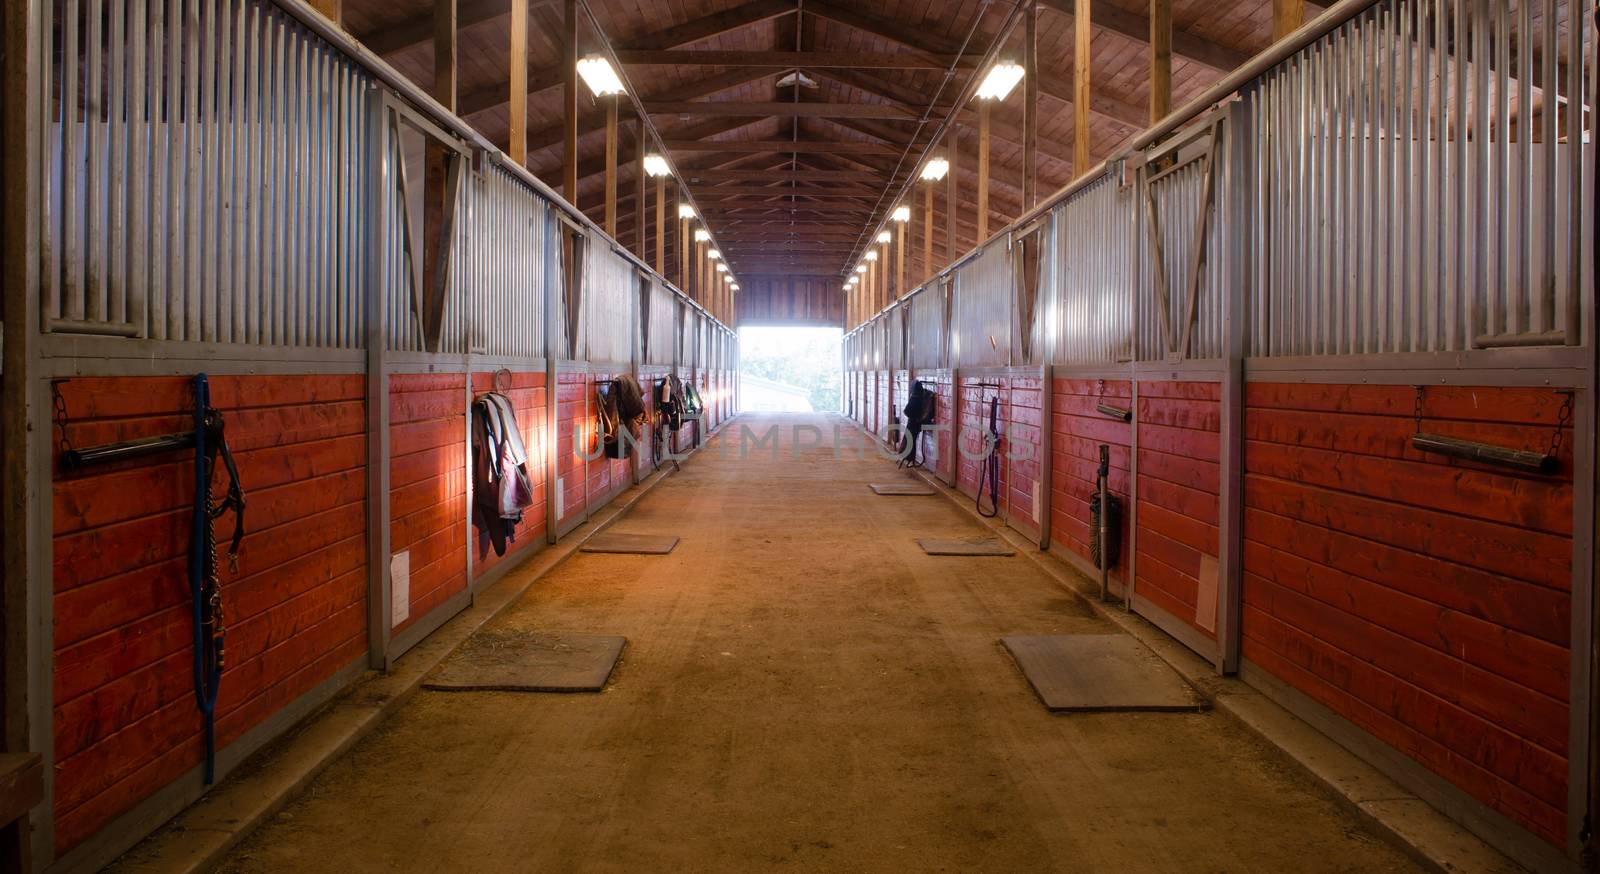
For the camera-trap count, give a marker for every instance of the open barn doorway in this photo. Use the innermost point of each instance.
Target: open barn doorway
(789, 369)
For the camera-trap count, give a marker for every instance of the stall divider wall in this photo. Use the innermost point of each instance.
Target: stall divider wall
(1255, 305)
(285, 248)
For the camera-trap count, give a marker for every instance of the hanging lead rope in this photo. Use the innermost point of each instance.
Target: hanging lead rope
(205, 589)
(991, 464)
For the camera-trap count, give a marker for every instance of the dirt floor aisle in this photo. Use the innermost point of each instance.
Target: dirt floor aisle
(803, 689)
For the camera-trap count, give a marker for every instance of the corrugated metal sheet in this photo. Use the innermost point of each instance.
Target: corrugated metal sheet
(985, 296)
(611, 294)
(926, 314)
(1088, 308)
(507, 265)
(407, 144)
(663, 324)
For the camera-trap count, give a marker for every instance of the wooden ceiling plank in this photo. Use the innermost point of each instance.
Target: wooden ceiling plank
(781, 109)
(780, 147)
(785, 60)
(1136, 27)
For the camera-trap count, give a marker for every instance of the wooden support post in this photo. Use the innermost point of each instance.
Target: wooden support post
(611, 165)
(683, 248)
(1081, 86)
(569, 104)
(517, 138)
(661, 224)
(638, 191)
(983, 171)
(900, 258)
(1160, 59)
(333, 10)
(1287, 16)
(952, 194)
(1030, 108)
(444, 53)
(927, 231)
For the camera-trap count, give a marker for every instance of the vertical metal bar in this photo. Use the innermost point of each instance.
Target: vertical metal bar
(117, 110)
(378, 544)
(1549, 109)
(53, 116)
(1579, 221)
(140, 105)
(255, 121)
(193, 173)
(1523, 189)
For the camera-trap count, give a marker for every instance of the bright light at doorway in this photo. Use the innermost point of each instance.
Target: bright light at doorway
(789, 369)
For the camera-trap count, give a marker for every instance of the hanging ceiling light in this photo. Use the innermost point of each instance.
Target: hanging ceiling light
(862, 268)
(872, 254)
(1002, 77)
(883, 237)
(902, 214)
(701, 235)
(722, 268)
(935, 169)
(685, 211)
(656, 165)
(598, 75)
(848, 286)
(733, 286)
(714, 254)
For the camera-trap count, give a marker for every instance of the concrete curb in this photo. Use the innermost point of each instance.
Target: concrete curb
(197, 839)
(1409, 823)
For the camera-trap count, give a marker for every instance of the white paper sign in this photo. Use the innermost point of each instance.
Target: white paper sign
(399, 588)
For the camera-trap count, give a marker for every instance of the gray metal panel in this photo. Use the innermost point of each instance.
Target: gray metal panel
(984, 306)
(507, 266)
(1087, 305)
(609, 299)
(925, 310)
(662, 323)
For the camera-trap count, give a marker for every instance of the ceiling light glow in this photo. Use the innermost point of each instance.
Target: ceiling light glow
(598, 75)
(656, 165)
(1002, 77)
(935, 170)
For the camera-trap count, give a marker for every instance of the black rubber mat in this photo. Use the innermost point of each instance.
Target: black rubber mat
(630, 544)
(520, 661)
(976, 546)
(1095, 673)
(902, 489)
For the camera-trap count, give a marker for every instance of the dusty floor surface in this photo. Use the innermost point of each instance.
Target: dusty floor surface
(803, 689)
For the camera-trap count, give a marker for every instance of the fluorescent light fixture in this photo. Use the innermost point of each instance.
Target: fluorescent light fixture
(883, 237)
(733, 286)
(849, 285)
(701, 235)
(714, 254)
(935, 169)
(655, 165)
(722, 268)
(685, 211)
(598, 75)
(861, 268)
(872, 254)
(1002, 77)
(901, 214)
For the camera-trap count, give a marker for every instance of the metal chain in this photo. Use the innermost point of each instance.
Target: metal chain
(1562, 418)
(60, 404)
(1416, 411)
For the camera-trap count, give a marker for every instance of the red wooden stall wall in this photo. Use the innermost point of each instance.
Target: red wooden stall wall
(428, 485)
(1022, 465)
(572, 416)
(527, 395)
(126, 723)
(1179, 481)
(1079, 429)
(1424, 599)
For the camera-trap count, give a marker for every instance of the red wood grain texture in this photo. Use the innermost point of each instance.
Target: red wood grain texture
(1078, 432)
(1179, 481)
(1423, 598)
(526, 391)
(1023, 464)
(428, 485)
(125, 719)
(944, 415)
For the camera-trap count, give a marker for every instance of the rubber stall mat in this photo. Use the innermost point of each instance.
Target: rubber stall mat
(902, 489)
(524, 661)
(977, 546)
(630, 544)
(1096, 673)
